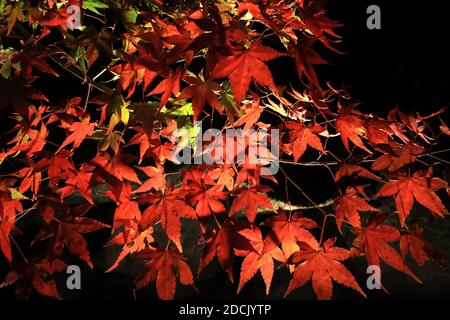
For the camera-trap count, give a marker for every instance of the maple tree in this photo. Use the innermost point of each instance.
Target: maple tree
(149, 68)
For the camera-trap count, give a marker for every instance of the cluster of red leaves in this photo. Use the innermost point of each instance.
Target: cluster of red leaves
(206, 57)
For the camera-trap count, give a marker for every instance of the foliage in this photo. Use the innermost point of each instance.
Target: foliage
(151, 67)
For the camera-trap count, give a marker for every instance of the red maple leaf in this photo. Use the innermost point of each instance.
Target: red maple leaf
(164, 266)
(246, 65)
(321, 266)
(305, 57)
(37, 275)
(65, 227)
(167, 207)
(127, 212)
(220, 242)
(411, 242)
(252, 113)
(169, 86)
(204, 193)
(348, 207)
(224, 174)
(116, 166)
(260, 259)
(58, 165)
(80, 130)
(419, 187)
(78, 180)
(202, 92)
(249, 199)
(156, 181)
(131, 73)
(374, 240)
(8, 208)
(354, 170)
(351, 127)
(132, 241)
(301, 136)
(397, 156)
(290, 230)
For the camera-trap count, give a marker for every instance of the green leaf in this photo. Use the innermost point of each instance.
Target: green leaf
(185, 110)
(131, 15)
(125, 112)
(93, 5)
(16, 194)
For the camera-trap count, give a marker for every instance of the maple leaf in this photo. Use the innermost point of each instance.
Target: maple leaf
(37, 275)
(206, 200)
(70, 234)
(353, 169)
(127, 212)
(252, 113)
(18, 94)
(411, 242)
(249, 199)
(14, 12)
(116, 166)
(378, 131)
(321, 265)
(133, 242)
(374, 241)
(58, 165)
(31, 178)
(7, 221)
(10, 205)
(246, 65)
(220, 244)
(28, 59)
(80, 130)
(398, 156)
(224, 175)
(78, 180)
(290, 230)
(144, 140)
(156, 181)
(316, 22)
(202, 92)
(351, 127)
(164, 266)
(261, 259)
(305, 57)
(134, 71)
(168, 208)
(65, 229)
(301, 136)
(348, 207)
(32, 142)
(251, 173)
(419, 187)
(169, 86)
(5, 244)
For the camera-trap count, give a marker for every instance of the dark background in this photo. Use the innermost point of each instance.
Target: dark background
(404, 64)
